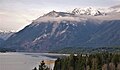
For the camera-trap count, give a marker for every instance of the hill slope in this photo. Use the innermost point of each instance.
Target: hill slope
(58, 30)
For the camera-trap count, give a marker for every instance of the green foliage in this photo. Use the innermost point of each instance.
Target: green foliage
(96, 61)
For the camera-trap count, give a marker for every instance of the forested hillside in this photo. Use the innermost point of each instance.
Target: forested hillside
(99, 61)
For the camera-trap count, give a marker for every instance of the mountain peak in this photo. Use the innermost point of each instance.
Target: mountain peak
(57, 14)
(52, 14)
(87, 11)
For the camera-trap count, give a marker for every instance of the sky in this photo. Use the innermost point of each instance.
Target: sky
(16, 14)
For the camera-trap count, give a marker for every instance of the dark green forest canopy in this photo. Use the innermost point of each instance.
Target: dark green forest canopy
(98, 61)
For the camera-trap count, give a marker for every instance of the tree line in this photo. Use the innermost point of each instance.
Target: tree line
(98, 61)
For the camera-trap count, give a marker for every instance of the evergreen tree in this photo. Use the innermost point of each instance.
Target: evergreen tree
(42, 66)
(99, 61)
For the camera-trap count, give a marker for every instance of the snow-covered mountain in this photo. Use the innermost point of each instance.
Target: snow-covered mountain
(80, 28)
(81, 14)
(96, 11)
(87, 11)
(55, 16)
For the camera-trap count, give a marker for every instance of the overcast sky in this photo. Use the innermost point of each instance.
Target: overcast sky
(16, 14)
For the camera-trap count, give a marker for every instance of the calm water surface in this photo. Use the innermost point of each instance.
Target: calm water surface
(21, 61)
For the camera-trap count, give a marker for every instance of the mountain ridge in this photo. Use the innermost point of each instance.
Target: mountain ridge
(58, 30)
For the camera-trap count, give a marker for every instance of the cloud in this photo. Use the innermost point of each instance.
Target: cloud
(15, 14)
(59, 19)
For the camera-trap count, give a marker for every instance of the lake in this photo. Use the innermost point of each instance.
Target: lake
(23, 61)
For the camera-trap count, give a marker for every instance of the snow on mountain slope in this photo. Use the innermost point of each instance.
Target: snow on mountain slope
(57, 30)
(5, 35)
(80, 15)
(87, 11)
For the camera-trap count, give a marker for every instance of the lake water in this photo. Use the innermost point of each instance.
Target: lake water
(22, 61)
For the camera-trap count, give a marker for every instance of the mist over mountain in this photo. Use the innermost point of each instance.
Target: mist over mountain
(57, 30)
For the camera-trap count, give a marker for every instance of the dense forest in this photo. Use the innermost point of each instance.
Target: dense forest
(97, 61)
